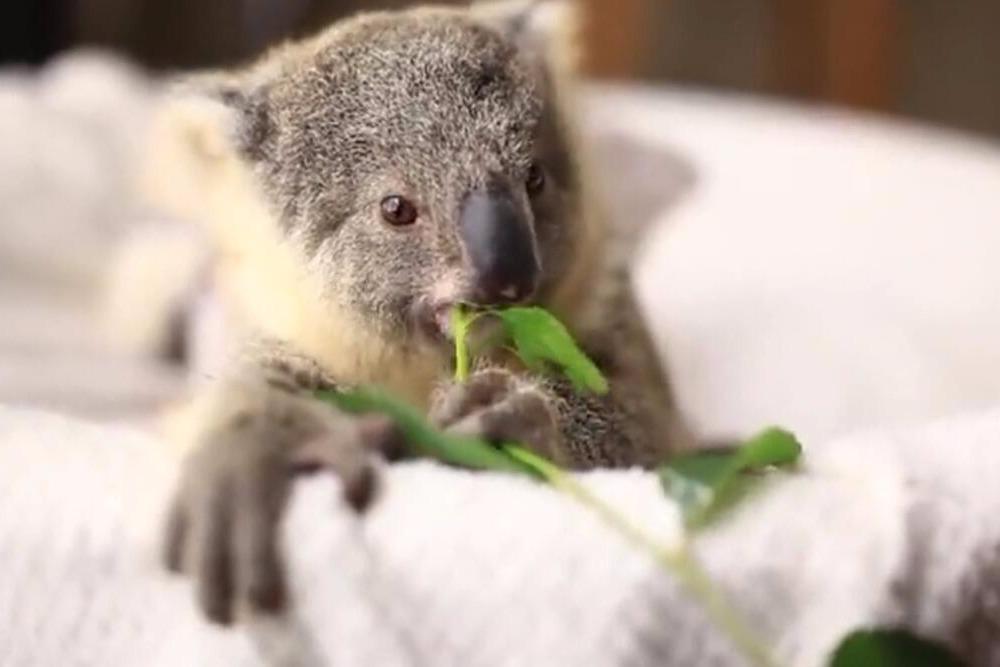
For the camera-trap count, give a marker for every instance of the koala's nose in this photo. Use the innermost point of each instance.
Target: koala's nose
(500, 244)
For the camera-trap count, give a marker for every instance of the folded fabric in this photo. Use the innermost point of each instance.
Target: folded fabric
(460, 568)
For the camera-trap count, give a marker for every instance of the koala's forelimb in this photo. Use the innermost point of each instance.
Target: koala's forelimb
(260, 427)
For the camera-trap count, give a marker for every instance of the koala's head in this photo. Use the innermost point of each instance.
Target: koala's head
(418, 158)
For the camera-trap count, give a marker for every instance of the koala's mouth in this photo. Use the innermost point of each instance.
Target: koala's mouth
(433, 319)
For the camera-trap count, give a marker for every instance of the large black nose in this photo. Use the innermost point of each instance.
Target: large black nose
(501, 247)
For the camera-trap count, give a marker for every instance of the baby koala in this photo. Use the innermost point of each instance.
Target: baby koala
(355, 186)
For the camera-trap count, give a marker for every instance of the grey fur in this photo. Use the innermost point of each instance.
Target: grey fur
(428, 103)
(425, 103)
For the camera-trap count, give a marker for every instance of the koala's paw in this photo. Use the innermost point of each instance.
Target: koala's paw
(222, 528)
(499, 406)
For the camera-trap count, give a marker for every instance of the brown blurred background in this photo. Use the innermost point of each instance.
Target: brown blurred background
(935, 60)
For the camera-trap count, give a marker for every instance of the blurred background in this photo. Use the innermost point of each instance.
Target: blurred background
(932, 60)
(829, 265)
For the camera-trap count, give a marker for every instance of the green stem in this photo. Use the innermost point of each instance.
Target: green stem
(698, 583)
(461, 321)
(681, 561)
(462, 364)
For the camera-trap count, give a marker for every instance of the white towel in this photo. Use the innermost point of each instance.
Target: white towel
(457, 568)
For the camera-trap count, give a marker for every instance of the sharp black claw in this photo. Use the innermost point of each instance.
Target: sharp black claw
(218, 611)
(270, 597)
(360, 491)
(176, 534)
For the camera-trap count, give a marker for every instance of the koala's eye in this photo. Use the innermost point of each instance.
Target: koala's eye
(535, 181)
(398, 211)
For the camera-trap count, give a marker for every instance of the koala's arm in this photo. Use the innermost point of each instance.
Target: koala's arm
(636, 423)
(252, 431)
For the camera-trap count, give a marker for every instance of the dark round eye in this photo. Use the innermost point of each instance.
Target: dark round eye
(398, 211)
(535, 181)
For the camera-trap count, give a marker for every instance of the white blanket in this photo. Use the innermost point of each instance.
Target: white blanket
(456, 568)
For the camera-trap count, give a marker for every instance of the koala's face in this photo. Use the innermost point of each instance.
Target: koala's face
(418, 160)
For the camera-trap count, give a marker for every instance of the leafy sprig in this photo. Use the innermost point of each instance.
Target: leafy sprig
(706, 483)
(703, 484)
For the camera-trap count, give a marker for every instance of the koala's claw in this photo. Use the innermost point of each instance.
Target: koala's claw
(223, 526)
(498, 406)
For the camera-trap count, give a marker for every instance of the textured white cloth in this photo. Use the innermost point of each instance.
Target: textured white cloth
(456, 568)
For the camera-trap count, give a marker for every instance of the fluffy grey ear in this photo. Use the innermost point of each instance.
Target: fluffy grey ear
(223, 113)
(204, 129)
(546, 30)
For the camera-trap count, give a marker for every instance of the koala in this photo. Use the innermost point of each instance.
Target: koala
(354, 187)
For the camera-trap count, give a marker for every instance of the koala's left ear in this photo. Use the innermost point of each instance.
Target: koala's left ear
(221, 112)
(203, 125)
(546, 31)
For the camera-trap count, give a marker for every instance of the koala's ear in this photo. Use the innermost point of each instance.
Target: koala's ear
(203, 127)
(547, 31)
(219, 114)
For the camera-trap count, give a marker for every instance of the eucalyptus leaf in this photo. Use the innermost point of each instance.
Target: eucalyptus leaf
(539, 337)
(890, 648)
(771, 447)
(425, 439)
(706, 483)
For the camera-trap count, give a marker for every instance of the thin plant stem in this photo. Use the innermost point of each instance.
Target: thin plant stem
(680, 562)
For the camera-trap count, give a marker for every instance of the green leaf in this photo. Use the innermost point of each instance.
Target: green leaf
(890, 648)
(771, 447)
(539, 337)
(706, 483)
(426, 440)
